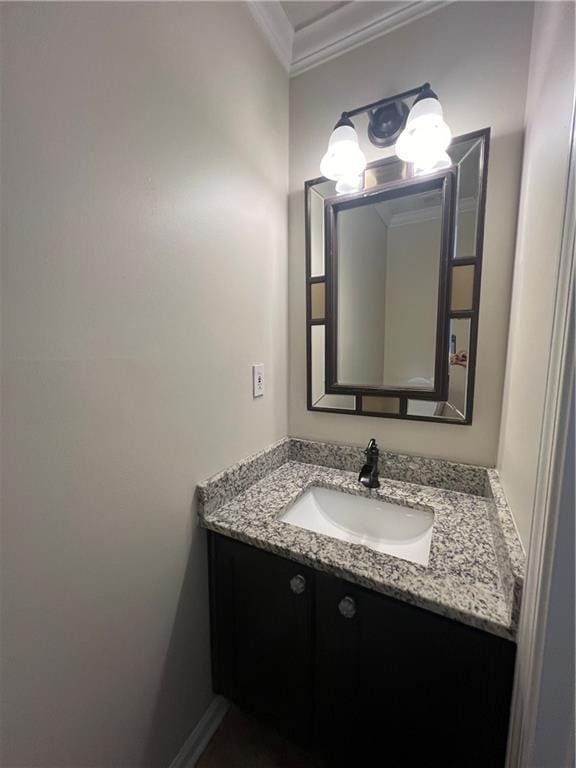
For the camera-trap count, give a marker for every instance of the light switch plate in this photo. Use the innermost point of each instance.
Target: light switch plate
(258, 379)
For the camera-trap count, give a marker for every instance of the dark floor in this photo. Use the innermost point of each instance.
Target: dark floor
(241, 742)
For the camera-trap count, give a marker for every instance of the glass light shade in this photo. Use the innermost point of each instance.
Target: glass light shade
(426, 137)
(432, 162)
(426, 118)
(343, 159)
(425, 162)
(347, 185)
(405, 146)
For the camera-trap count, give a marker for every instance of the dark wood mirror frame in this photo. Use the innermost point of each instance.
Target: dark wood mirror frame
(363, 405)
(445, 182)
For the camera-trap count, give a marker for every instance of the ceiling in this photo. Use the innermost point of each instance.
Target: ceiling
(306, 34)
(302, 14)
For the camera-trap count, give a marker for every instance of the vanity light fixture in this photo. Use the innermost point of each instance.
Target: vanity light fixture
(420, 134)
(343, 159)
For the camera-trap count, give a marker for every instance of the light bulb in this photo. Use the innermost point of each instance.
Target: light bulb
(343, 159)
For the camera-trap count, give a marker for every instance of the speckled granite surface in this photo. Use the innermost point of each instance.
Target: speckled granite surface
(476, 561)
(225, 485)
(465, 478)
(508, 548)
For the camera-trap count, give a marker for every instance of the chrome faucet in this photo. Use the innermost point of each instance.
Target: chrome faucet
(369, 473)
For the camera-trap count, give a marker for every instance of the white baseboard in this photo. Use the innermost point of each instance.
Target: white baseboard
(198, 740)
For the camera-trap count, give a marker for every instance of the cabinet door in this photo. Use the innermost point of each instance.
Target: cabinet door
(397, 685)
(262, 634)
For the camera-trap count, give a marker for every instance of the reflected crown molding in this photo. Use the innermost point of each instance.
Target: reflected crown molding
(343, 29)
(419, 215)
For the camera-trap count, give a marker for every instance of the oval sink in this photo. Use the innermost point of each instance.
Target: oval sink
(381, 525)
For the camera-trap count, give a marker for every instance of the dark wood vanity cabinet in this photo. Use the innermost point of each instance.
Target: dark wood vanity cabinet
(262, 632)
(397, 680)
(366, 679)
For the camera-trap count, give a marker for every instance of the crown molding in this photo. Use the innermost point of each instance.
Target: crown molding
(353, 25)
(336, 33)
(274, 25)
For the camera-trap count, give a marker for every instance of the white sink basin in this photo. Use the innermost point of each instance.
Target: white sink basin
(385, 527)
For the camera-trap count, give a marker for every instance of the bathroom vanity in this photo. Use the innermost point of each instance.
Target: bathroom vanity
(363, 655)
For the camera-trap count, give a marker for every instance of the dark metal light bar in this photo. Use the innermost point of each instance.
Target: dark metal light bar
(388, 100)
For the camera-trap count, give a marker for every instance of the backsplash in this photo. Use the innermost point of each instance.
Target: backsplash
(421, 470)
(465, 478)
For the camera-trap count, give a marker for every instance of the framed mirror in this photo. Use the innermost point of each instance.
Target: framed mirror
(393, 288)
(388, 256)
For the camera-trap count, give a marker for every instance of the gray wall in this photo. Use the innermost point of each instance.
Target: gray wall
(476, 57)
(412, 269)
(144, 177)
(361, 289)
(544, 179)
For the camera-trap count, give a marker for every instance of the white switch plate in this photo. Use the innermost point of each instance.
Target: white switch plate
(258, 379)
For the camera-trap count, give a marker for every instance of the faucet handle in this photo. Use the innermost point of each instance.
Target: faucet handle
(372, 447)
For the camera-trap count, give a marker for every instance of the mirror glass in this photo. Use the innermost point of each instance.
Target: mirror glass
(318, 194)
(462, 294)
(388, 264)
(389, 405)
(458, 370)
(318, 301)
(319, 398)
(454, 408)
(469, 170)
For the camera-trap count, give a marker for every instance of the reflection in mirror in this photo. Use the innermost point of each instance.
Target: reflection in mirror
(466, 154)
(317, 362)
(459, 356)
(380, 404)
(317, 234)
(425, 408)
(468, 201)
(394, 170)
(316, 213)
(388, 278)
(318, 397)
(339, 402)
(455, 407)
(317, 301)
(462, 288)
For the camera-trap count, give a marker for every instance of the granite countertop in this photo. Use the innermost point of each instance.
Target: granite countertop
(475, 571)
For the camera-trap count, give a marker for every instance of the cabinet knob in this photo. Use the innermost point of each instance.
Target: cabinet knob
(347, 607)
(298, 584)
